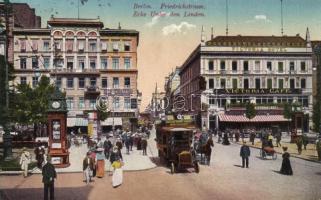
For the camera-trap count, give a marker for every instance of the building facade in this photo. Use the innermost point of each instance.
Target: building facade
(263, 70)
(85, 60)
(171, 88)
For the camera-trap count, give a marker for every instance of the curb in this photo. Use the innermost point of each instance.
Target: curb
(294, 156)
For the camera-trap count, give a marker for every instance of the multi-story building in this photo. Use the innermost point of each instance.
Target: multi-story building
(264, 70)
(86, 61)
(172, 82)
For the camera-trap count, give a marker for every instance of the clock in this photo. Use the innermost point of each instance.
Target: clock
(55, 105)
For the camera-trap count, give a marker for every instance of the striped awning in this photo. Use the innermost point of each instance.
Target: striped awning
(257, 118)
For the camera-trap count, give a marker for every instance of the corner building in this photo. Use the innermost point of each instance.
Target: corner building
(265, 70)
(85, 60)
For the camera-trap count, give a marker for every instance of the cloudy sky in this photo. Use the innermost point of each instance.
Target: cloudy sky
(166, 41)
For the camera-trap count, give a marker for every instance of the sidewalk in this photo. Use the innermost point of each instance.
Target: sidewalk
(310, 154)
(135, 161)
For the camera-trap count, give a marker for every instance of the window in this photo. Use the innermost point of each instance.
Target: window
(126, 102)
(246, 66)
(246, 83)
(257, 83)
(115, 46)
(34, 45)
(269, 66)
(46, 45)
(70, 103)
(303, 66)
(269, 83)
(211, 83)
(127, 46)
(222, 64)
(223, 83)
(127, 82)
(81, 103)
(104, 46)
(291, 66)
(23, 63)
(92, 63)
(234, 83)
(92, 103)
(81, 63)
(116, 103)
(280, 83)
(81, 45)
(211, 101)
(127, 63)
(303, 83)
(23, 80)
(257, 66)
(210, 65)
(46, 62)
(234, 65)
(292, 83)
(70, 63)
(58, 45)
(104, 82)
(81, 82)
(23, 45)
(70, 82)
(115, 82)
(34, 81)
(104, 63)
(34, 62)
(115, 63)
(69, 45)
(92, 46)
(93, 81)
(280, 67)
(58, 82)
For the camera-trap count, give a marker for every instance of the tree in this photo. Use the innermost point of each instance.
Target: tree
(250, 111)
(316, 116)
(287, 113)
(31, 104)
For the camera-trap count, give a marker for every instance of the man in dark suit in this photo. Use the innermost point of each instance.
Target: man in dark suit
(245, 154)
(48, 176)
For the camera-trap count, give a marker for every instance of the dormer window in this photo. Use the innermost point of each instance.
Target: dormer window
(104, 46)
(115, 46)
(127, 46)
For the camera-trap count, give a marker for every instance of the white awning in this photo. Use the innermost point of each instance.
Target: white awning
(71, 122)
(116, 121)
(81, 122)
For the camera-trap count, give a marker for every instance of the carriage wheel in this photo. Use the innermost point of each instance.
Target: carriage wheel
(172, 168)
(274, 156)
(196, 167)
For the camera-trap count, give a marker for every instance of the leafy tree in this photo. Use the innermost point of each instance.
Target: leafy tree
(316, 116)
(250, 111)
(287, 113)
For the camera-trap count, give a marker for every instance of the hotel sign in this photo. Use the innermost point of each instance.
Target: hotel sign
(257, 91)
(260, 49)
(118, 92)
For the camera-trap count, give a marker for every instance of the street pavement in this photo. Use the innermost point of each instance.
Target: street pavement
(224, 179)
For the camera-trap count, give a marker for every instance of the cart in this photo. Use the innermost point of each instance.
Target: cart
(268, 151)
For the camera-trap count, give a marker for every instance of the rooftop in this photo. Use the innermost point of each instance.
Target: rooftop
(75, 22)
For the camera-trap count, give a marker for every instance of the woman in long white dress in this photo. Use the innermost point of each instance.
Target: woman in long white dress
(117, 179)
(25, 160)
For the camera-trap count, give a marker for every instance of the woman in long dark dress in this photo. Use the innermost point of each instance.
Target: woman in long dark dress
(286, 168)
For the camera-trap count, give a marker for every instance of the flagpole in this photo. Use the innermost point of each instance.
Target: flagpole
(78, 9)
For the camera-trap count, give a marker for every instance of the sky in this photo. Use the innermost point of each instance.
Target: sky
(167, 40)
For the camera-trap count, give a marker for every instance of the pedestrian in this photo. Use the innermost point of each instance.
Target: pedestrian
(286, 168)
(305, 141)
(219, 136)
(278, 139)
(270, 140)
(237, 136)
(318, 148)
(93, 157)
(299, 143)
(48, 178)
(127, 143)
(100, 143)
(225, 140)
(119, 144)
(40, 153)
(252, 137)
(25, 160)
(245, 154)
(131, 142)
(144, 146)
(117, 178)
(115, 154)
(107, 147)
(88, 167)
(100, 163)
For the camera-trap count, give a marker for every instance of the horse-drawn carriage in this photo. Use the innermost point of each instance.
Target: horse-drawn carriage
(174, 147)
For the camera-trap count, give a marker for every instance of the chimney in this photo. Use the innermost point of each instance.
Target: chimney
(119, 27)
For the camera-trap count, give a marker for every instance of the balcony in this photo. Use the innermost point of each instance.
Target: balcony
(92, 91)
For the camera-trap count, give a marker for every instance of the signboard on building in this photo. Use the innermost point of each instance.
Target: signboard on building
(257, 91)
(118, 92)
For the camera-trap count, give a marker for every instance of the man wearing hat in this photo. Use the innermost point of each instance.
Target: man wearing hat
(88, 167)
(48, 178)
(25, 161)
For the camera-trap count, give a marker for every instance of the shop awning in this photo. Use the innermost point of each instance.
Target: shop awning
(116, 121)
(257, 118)
(71, 122)
(81, 122)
